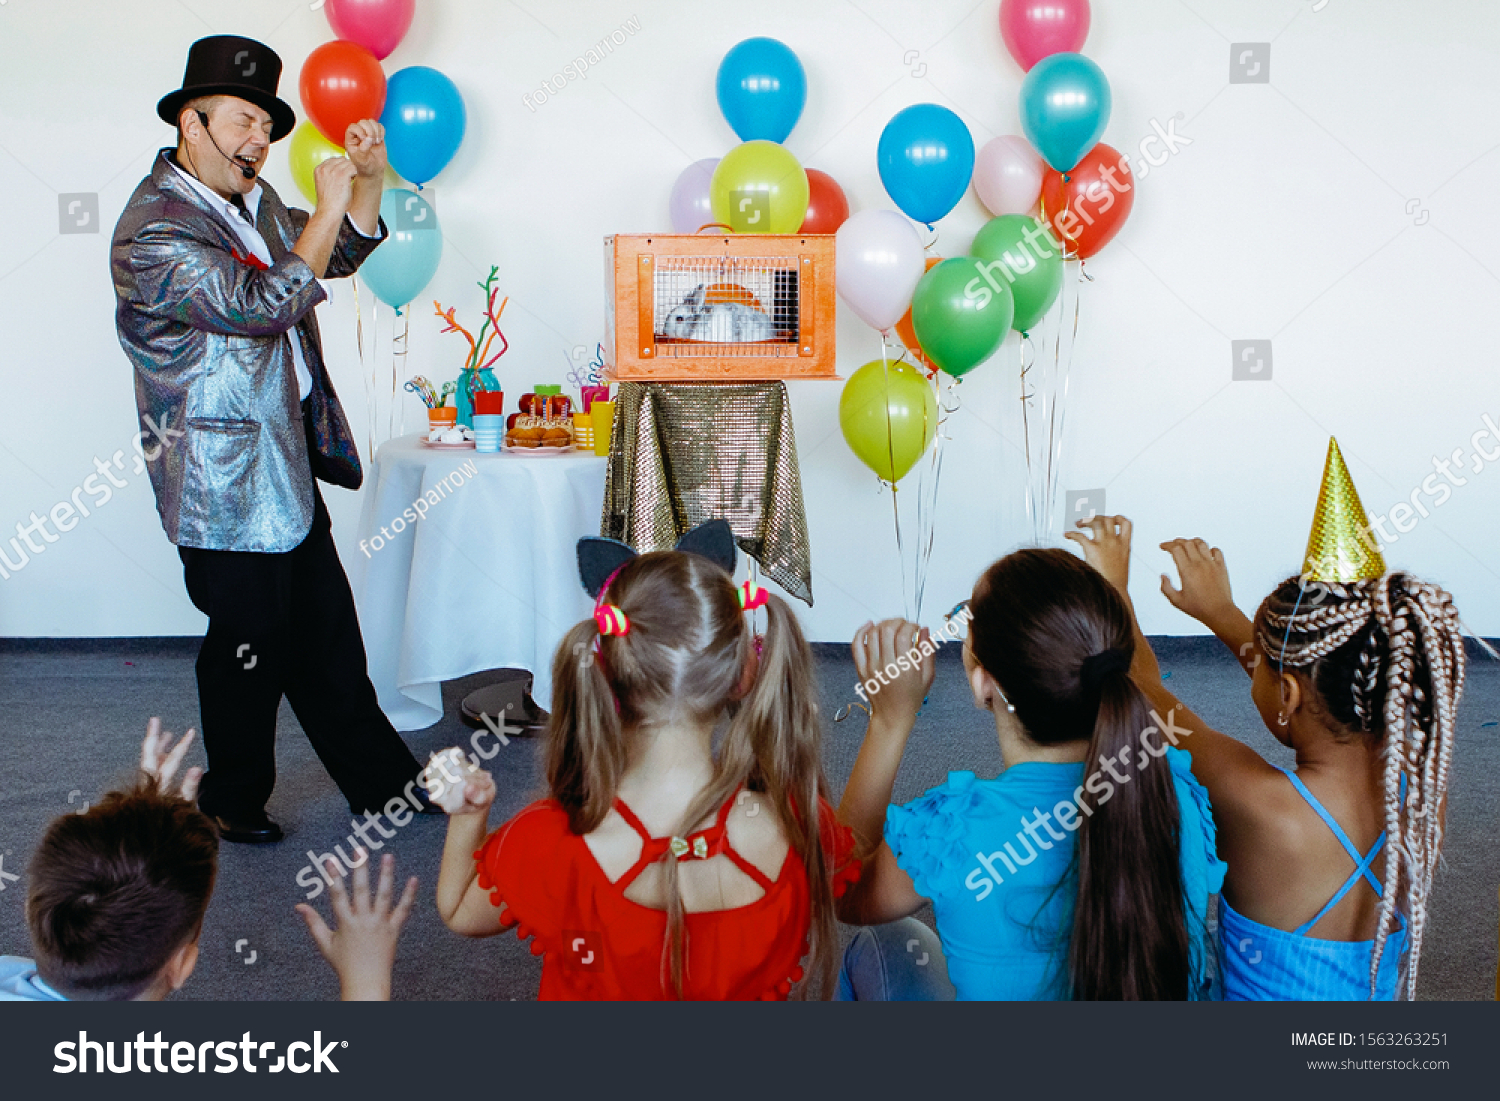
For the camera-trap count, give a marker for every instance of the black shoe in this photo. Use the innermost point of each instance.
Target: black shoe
(254, 830)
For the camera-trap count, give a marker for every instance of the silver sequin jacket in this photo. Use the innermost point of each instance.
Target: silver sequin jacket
(205, 330)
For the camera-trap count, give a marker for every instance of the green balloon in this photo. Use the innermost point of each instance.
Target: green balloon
(1031, 266)
(889, 414)
(960, 316)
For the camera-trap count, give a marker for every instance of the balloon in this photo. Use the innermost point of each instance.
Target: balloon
(424, 121)
(879, 259)
(1088, 205)
(1034, 29)
(1031, 264)
(1008, 176)
(692, 206)
(827, 206)
(762, 89)
(888, 412)
(377, 25)
(759, 188)
(908, 335)
(305, 152)
(960, 316)
(926, 160)
(341, 84)
(1065, 105)
(407, 260)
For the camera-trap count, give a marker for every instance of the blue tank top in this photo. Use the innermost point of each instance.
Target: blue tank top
(1260, 963)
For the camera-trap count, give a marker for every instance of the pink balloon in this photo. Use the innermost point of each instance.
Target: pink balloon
(1008, 176)
(879, 263)
(377, 25)
(1034, 29)
(692, 209)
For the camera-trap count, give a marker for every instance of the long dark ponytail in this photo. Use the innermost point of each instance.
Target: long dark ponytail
(1058, 638)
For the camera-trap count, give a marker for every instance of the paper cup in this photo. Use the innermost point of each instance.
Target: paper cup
(603, 417)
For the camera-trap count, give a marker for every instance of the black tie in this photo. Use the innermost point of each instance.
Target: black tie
(238, 202)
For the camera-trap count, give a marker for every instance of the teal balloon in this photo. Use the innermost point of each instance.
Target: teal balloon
(1022, 253)
(960, 316)
(1065, 106)
(405, 262)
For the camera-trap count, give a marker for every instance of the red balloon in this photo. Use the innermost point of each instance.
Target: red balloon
(1088, 205)
(341, 84)
(908, 332)
(827, 206)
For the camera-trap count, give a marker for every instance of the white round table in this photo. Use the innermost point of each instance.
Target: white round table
(481, 575)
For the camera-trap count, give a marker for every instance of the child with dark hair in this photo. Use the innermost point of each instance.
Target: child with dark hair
(1359, 670)
(658, 868)
(117, 897)
(1086, 868)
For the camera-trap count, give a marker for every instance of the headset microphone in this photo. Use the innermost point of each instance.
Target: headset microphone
(245, 170)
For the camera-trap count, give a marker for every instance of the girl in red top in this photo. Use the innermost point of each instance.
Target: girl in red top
(658, 868)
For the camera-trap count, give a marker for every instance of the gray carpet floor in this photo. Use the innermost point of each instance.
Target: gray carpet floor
(73, 714)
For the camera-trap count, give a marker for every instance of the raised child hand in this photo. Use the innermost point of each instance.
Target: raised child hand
(1205, 591)
(161, 759)
(458, 785)
(1106, 547)
(894, 647)
(362, 950)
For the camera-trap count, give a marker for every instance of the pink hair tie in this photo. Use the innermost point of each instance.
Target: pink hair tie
(611, 620)
(752, 595)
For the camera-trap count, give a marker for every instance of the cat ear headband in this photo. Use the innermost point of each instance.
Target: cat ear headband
(600, 561)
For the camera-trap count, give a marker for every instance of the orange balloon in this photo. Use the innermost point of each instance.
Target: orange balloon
(908, 334)
(827, 205)
(341, 84)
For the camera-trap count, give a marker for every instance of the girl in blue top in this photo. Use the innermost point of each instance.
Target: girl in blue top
(1330, 865)
(1085, 869)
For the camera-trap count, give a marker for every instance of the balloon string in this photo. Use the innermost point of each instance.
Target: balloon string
(398, 357)
(359, 339)
(1064, 365)
(374, 371)
(890, 443)
(928, 497)
(1031, 503)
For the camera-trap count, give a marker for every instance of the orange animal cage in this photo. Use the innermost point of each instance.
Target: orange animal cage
(700, 308)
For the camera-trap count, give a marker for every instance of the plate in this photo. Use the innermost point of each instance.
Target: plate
(536, 450)
(466, 445)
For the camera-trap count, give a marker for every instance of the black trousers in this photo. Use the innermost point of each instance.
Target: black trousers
(285, 624)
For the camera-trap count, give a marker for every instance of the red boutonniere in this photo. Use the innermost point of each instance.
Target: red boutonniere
(253, 260)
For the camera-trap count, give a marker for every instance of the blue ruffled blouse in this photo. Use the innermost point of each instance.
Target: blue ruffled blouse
(994, 857)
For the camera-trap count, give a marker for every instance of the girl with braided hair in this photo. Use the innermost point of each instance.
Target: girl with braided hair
(1330, 866)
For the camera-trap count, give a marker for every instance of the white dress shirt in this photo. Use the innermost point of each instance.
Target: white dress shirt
(252, 240)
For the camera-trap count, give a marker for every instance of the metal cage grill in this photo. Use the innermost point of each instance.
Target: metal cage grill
(686, 307)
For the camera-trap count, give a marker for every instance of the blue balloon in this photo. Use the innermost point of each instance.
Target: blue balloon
(926, 161)
(405, 262)
(762, 89)
(1065, 105)
(424, 122)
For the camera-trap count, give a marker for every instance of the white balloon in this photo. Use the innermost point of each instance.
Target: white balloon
(880, 262)
(691, 207)
(1008, 176)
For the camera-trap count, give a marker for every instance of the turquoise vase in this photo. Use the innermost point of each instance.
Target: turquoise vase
(464, 399)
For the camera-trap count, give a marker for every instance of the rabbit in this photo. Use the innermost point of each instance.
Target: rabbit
(721, 323)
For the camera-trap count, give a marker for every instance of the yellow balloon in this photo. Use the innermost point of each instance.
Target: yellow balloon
(889, 412)
(307, 150)
(759, 188)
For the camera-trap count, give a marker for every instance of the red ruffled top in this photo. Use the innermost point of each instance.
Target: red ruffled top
(601, 946)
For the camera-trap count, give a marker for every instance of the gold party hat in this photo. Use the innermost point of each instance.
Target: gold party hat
(1341, 548)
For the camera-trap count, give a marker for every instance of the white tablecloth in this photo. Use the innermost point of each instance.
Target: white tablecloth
(487, 579)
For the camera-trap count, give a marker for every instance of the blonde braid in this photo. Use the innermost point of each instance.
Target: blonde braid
(1414, 656)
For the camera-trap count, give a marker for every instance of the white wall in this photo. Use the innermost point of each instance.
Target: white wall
(1286, 218)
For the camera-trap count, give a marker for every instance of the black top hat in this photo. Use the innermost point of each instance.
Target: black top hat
(227, 65)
